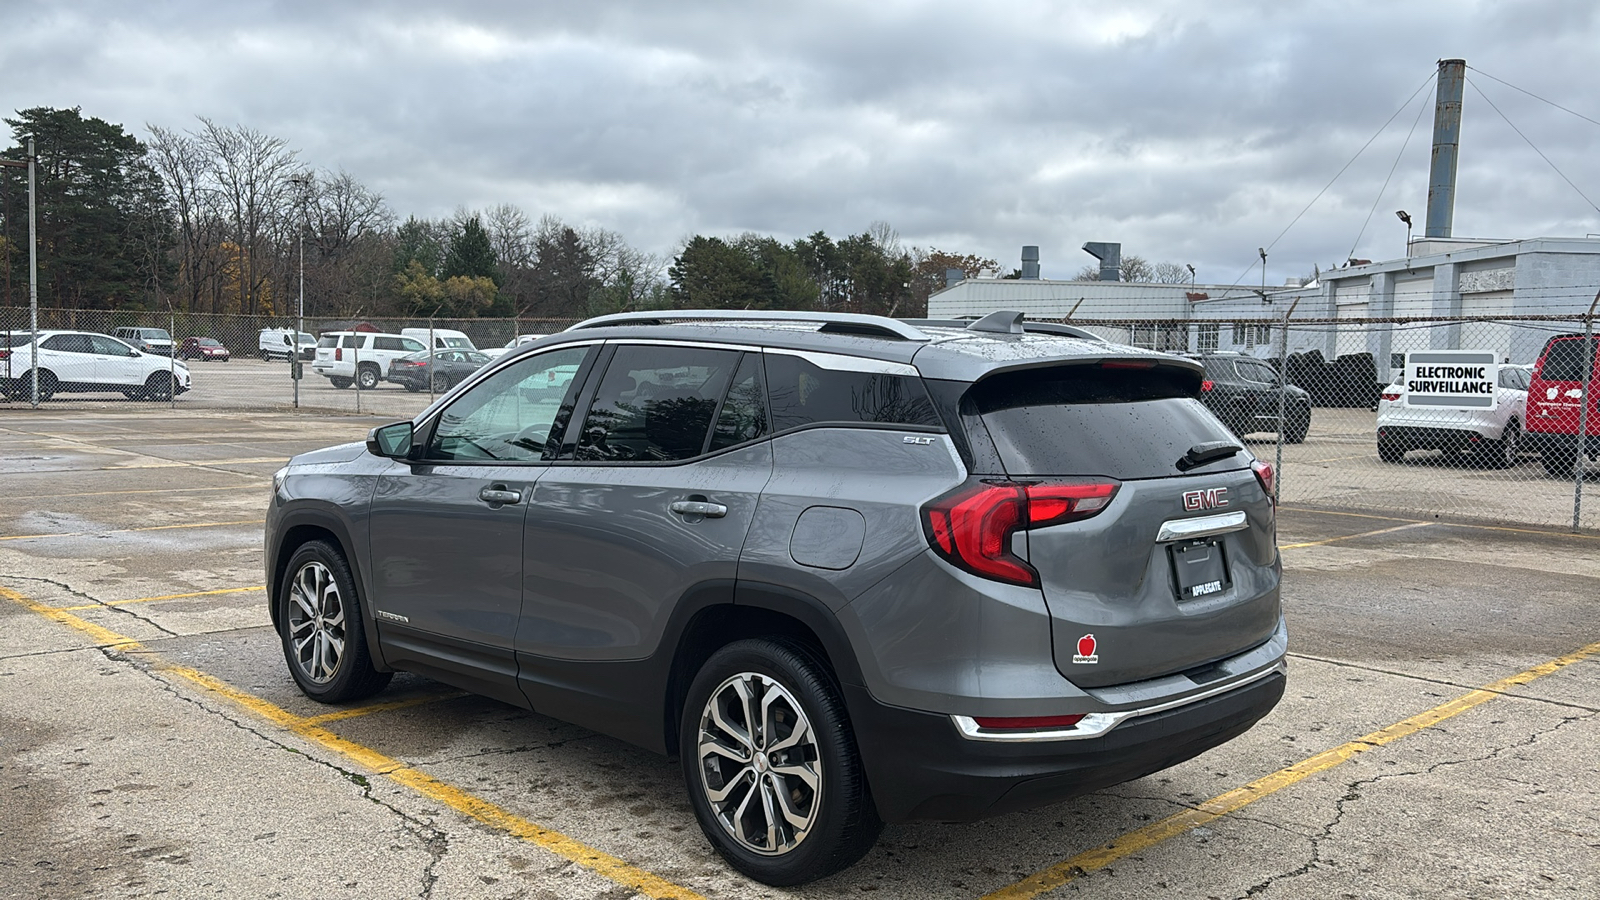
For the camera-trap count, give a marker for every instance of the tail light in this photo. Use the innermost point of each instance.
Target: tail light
(1267, 477)
(1391, 396)
(971, 527)
(5, 354)
(338, 354)
(1207, 385)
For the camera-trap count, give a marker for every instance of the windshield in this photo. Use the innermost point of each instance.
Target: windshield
(306, 338)
(459, 343)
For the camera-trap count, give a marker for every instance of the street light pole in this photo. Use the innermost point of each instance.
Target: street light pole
(296, 365)
(33, 260)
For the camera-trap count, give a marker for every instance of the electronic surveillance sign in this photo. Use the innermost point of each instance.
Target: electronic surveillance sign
(1451, 379)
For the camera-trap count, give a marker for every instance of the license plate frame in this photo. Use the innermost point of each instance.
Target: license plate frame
(1199, 569)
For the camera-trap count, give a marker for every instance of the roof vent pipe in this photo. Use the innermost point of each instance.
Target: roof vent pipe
(1110, 256)
(1446, 141)
(1030, 263)
(953, 277)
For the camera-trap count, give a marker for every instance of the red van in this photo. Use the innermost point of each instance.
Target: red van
(1554, 412)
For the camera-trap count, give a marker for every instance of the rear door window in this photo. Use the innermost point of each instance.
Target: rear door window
(655, 404)
(804, 393)
(1088, 420)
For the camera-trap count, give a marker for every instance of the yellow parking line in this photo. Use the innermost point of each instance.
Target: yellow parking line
(198, 463)
(1349, 537)
(1219, 806)
(30, 537)
(624, 873)
(355, 712)
(242, 590)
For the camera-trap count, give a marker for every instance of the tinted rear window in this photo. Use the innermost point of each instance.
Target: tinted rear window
(1563, 361)
(805, 394)
(1085, 420)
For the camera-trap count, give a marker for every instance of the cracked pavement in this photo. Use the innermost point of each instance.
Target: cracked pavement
(119, 779)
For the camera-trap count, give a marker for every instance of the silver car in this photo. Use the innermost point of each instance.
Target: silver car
(850, 570)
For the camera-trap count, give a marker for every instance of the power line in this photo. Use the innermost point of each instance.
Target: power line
(1341, 171)
(1421, 108)
(1533, 95)
(1535, 147)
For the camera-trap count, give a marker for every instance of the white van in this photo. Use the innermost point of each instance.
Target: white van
(278, 343)
(443, 338)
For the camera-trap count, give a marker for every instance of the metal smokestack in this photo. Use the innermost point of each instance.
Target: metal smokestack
(1446, 141)
(1110, 256)
(1030, 263)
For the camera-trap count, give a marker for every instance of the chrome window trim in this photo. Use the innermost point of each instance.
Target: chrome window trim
(840, 362)
(1201, 526)
(1094, 725)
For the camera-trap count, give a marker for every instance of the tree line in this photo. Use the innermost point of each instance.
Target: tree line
(219, 218)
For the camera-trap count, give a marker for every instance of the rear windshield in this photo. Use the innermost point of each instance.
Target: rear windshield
(1088, 420)
(1563, 361)
(329, 340)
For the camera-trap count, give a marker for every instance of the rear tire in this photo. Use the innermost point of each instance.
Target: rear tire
(340, 383)
(413, 388)
(1391, 451)
(323, 633)
(441, 382)
(1559, 461)
(1502, 454)
(367, 378)
(48, 385)
(764, 717)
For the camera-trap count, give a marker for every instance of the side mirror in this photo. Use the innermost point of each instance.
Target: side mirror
(392, 441)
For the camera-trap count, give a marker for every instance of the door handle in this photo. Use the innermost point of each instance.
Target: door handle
(497, 495)
(698, 508)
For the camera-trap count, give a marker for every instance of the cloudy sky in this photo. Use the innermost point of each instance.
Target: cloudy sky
(1188, 132)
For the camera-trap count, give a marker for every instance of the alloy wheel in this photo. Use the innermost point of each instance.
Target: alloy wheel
(759, 764)
(316, 622)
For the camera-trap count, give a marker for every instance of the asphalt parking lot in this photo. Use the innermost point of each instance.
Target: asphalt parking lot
(1437, 738)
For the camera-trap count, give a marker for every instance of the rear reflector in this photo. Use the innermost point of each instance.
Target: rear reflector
(1033, 723)
(1391, 396)
(1207, 385)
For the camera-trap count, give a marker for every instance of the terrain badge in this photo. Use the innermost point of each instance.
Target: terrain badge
(1086, 648)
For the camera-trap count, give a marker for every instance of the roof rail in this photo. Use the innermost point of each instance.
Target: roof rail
(1009, 323)
(831, 323)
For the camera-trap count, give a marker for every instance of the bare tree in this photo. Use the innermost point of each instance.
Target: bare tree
(185, 172)
(251, 172)
(1169, 273)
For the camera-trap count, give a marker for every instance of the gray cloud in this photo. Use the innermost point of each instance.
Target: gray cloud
(1188, 133)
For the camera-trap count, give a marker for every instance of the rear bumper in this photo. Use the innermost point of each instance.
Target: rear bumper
(1432, 437)
(919, 766)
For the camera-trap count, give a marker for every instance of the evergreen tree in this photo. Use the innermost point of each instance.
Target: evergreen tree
(470, 254)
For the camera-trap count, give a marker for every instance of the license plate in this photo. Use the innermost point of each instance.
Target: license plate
(1200, 569)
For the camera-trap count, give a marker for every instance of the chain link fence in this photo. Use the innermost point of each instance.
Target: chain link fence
(1331, 402)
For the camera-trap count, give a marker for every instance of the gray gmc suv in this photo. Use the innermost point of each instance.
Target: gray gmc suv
(851, 570)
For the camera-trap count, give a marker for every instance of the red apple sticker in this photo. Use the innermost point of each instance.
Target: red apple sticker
(1086, 651)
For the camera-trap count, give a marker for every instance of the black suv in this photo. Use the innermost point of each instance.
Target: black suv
(849, 569)
(1243, 392)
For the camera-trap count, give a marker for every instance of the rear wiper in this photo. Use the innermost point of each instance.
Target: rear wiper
(1200, 454)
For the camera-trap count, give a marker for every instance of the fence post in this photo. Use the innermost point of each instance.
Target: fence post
(431, 360)
(1283, 391)
(355, 358)
(172, 358)
(1582, 456)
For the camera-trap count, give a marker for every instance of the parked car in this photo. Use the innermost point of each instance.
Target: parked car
(361, 357)
(1243, 392)
(443, 369)
(156, 341)
(279, 343)
(1556, 394)
(82, 362)
(518, 341)
(851, 570)
(204, 348)
(443, 338)
(1491, 436)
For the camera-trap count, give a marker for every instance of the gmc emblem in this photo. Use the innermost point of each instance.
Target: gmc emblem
(1207, 499)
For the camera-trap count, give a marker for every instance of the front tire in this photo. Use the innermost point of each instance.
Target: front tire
(158, 386)
(1559, 461)
(1299, 424)
(323, 634)
(771, 764)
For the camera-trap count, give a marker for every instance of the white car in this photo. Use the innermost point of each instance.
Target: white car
(1493, 436)
(83, 362)
(497, 352)
(361, 357)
